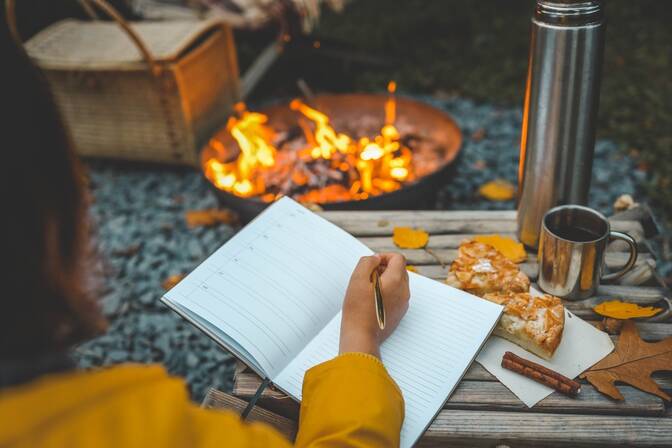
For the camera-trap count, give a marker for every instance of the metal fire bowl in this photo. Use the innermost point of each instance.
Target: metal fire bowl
(427, 121)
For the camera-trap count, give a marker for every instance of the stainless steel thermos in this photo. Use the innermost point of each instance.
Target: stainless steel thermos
(561, 99)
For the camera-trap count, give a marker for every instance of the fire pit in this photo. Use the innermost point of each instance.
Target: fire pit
(341, 152)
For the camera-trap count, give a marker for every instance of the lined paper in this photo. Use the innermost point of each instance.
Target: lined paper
(274, 292)
(274, 285)
(427, 354)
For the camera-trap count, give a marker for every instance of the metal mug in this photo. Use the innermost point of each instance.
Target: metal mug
(572, 246)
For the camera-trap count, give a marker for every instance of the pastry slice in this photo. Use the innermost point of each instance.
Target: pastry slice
(480, 269)
(534, 323)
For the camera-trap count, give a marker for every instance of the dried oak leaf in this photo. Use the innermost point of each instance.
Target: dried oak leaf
(497, 190)
(210, 217)
(407, 238)
(624, 310)
(632, 362)
(510, 248)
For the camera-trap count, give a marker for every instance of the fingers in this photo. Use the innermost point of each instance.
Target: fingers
(395, 264)
(366, 265)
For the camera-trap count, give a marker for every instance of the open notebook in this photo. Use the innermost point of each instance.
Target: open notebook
(272, 295)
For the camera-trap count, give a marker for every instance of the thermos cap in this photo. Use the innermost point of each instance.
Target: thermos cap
(569, 12)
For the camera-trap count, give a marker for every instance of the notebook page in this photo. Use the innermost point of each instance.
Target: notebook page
(427, 355)
(218, 336)
(274, 285)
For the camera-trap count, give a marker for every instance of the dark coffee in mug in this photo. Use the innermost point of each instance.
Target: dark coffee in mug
(578, 234)
(572, 245)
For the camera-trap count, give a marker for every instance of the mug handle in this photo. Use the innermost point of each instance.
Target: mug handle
(632, 244)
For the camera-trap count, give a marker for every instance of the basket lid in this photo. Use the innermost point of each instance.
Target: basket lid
(74, 44)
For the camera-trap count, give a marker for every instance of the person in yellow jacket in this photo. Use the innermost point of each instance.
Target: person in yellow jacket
(45, 402)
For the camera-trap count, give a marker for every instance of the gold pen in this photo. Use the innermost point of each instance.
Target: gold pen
(378, 299)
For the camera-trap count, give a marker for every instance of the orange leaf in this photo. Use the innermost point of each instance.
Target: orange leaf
(624, 310)
(209, 217)
(509, 247)
(498, 190)
(171, 281)
(407, 238)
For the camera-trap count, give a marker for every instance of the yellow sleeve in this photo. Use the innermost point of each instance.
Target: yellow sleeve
(350, 401)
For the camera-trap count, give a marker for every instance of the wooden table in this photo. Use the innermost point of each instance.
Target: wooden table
(481, 411)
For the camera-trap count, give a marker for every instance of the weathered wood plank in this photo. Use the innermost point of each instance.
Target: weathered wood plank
(428, 265)
(490, 395)
(381, 223)
(584, 308)
(652, 293)
(613, 260)
(383, 243)
(642, 294)
(495, 428)
(421, 215)
(216, 399)
(585, 312)
(368, 228)
(455, 427)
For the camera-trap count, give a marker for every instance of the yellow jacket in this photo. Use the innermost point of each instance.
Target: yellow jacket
(348, 401)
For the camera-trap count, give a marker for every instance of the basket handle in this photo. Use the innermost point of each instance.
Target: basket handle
(110, 11)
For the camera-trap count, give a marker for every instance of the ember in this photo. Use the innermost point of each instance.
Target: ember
(314, 160)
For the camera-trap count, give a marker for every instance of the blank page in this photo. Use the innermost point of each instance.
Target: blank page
(275, 285)
(427, 355)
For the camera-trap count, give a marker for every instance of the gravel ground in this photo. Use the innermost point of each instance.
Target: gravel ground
(142, 239)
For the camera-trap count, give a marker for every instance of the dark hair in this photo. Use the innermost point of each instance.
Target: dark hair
(43, 231)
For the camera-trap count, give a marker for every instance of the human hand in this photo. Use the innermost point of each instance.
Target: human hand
(359, 325)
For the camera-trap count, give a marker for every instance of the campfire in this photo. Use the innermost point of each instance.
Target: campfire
(331, 149)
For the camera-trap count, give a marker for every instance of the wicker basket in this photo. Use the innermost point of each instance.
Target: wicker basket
(150, 91)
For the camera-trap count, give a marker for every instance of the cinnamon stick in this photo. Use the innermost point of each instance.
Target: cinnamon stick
(541, 374)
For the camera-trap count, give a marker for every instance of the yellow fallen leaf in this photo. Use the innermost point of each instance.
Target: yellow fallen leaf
(407, 238)
(498, 190)
(624, 310)
(510, 248)
(411, 268)
(171, 281)
(210, 217)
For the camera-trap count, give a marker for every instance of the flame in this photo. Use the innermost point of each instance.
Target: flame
(371, 166)
(327, 139)
(253, 136)
(391, 104)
